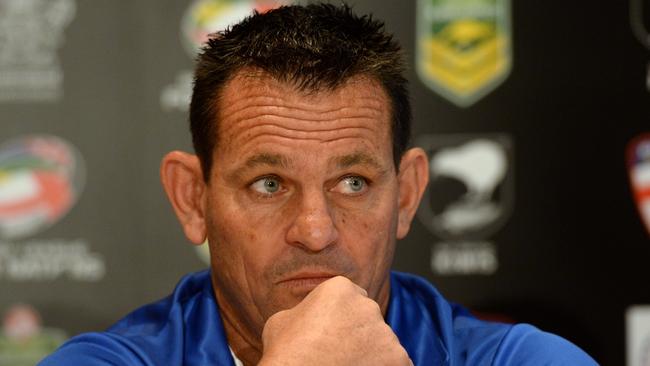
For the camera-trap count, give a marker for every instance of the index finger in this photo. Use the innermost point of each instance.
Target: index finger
(344, 282)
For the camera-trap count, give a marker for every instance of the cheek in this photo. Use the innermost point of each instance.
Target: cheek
(368, 231)
(234, 242)
(234, 219)
(245, 237)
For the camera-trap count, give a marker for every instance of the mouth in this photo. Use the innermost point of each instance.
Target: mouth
(304, 282)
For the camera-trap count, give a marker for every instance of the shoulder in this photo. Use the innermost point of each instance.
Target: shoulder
(151, 335)
(96, 349)
(466, 340)
(524, 344)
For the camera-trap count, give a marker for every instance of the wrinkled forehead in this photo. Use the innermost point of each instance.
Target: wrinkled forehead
(360, 92)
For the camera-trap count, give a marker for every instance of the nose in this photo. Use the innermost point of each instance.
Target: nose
(313, 228)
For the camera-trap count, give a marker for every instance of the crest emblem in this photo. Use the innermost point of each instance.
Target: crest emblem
(463, 47)
(638, 166)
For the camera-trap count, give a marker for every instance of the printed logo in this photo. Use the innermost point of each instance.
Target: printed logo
(638, 164)
(637, 319)
(463, 47)
(469, 198)
(23, 340)
(31, 31)
(40, 179)
(202, 18)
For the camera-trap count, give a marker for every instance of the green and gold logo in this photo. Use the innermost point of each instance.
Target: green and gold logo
(463, 47)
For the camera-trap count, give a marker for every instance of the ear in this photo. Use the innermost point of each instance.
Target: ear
(413, 178)
(182, 178)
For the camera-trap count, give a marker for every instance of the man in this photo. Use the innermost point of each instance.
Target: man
(303, 183)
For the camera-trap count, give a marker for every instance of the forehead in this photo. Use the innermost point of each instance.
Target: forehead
(359, 91)
(254, 107)
(255, 79)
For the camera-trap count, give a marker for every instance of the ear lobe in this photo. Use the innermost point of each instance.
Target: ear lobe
(413, 178)
(182, 179)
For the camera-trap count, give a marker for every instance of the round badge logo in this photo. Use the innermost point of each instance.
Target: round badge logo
(204, 17)
(40, 180)
(470, 194)
(638, 165)
(23, 340)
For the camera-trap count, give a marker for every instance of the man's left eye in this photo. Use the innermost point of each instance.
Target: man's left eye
(267, 186)
(352, 185)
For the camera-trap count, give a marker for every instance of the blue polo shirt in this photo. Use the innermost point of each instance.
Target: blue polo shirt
(185, 329)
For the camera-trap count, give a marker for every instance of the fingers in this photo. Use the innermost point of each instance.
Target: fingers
(336, 324)
(343, 283)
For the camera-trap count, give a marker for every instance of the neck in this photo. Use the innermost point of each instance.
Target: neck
(247, 353)
(383, 296)
(243, 337)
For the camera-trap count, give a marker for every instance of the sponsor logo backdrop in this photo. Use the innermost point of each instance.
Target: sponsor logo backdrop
(535, 116)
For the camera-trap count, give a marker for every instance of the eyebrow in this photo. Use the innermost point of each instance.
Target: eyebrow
(267, 160)
(357, 158)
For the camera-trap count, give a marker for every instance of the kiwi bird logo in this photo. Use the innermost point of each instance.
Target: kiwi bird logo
(471, 190)
(480, 164)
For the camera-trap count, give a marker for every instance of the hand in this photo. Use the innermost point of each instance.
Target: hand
(336, 324)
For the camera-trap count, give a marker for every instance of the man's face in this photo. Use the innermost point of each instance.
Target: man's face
(302, 188)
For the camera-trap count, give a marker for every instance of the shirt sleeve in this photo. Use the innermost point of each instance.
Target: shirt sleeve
(526, 345)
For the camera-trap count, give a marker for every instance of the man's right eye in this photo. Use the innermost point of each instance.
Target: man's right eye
(267, 186)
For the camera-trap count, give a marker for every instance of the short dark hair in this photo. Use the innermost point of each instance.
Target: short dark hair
(317, 47)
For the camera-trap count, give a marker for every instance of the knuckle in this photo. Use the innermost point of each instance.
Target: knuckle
(276, 319)
(370, 305)
(400, 356)
(387, 331)
(334, 283)
(340, 280)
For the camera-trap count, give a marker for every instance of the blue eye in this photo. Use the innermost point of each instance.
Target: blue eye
(352, 185)
(266, 185)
